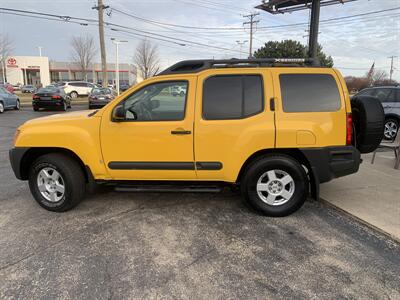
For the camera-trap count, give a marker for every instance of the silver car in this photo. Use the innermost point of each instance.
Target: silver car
(8, 100)
(390, 99)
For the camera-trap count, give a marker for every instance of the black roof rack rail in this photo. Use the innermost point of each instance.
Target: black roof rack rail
(195, 66)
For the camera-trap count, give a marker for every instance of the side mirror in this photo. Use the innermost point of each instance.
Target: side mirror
(118, 114)
(155, 104)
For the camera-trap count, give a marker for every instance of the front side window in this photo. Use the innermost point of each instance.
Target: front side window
(309, 93)
(232, 97)
(163, 101)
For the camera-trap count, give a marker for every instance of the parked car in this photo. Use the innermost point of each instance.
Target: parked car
(29, 88)
(99, 97)
(179, 90)
(51, 97)
(274, 131)
(77, 88)
(8, 87)
(123, 87)
(390, 99)
(8, 100)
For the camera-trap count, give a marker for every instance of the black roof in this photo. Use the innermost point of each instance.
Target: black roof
(195, 66)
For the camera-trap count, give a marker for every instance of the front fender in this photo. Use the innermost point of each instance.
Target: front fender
(79, 136)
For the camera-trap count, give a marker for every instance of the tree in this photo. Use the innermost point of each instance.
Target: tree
(5, 50)
(290, 49)
(147, 59)
(83, 52)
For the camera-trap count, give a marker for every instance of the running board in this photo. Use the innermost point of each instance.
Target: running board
(168, 189)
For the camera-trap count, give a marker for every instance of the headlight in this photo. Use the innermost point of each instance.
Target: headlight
(17, 132)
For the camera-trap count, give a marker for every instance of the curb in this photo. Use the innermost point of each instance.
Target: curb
(359, 220)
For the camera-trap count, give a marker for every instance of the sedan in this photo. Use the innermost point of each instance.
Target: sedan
(99, 97)
(51, 98)
(8, 100)
(28, 89)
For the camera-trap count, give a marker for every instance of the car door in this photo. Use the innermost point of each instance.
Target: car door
(7, 98)
(232, 121)
(4, 97)
(154, 139)
(386, 96)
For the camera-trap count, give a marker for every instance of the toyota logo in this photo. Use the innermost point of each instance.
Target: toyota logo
(12, 61)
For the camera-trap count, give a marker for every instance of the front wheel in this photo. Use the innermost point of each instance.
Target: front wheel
(56, 182)
(17, 105)
(73, 95)
(1, 107)
(391, 129)
(276, 185)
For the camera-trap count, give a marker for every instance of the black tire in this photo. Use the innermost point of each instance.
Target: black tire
(36, 108)
(391, 124)
(72, 175)
(17, 105)
(368, 120)
(64, 106)
(73, 95)
(284, 164)
(2, 109)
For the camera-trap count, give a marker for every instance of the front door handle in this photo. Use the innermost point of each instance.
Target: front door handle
(181, 132)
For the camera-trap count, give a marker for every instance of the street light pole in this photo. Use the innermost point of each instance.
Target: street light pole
(117, 42)
(40, 50)
(241, 43)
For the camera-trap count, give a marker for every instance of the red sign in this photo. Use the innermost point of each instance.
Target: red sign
(12, 61)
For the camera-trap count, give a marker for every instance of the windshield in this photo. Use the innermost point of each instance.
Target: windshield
(48, 90)
(101, 91)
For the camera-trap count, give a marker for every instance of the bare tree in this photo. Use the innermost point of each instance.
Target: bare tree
(146, 59)
(5, 50)
(83, 52)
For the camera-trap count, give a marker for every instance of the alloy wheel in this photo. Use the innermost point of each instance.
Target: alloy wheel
(275, 187)
(390, 130)
(51, 184)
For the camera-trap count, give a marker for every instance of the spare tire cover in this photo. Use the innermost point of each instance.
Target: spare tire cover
(369, 122)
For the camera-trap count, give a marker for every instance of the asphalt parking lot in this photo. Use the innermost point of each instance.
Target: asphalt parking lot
(118, 246)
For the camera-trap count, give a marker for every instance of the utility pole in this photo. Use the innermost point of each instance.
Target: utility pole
(241, 43)
(100, 7)
(391, 66)
(313, 37)
(117, 42)
(251, 22)
(40, 50)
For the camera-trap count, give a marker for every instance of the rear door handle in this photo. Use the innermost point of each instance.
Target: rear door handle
(181, 132)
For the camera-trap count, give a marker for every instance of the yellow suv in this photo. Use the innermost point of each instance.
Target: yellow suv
(273, 127)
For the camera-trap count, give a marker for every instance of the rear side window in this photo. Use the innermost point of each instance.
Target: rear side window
(309, 93)
(232, 97)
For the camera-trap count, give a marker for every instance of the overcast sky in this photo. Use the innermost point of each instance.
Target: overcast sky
(353, 43)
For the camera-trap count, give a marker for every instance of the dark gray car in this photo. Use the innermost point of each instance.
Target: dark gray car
(28, 89)
(390, 99)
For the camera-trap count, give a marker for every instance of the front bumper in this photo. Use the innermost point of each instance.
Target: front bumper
(16, 156)
(332, 162)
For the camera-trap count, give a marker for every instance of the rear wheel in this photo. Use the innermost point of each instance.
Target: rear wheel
(36, 108)
(56, 182)
(276, 185)
(73, 95)
(391, 129)
(64, 106)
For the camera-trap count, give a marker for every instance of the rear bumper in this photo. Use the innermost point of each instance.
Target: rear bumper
(332, 162)
(44, 103)
(16, 156)
(98, 103)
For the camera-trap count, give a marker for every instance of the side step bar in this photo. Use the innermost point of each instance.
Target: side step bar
(169, 188)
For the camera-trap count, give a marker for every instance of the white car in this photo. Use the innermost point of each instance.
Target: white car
(77, 88)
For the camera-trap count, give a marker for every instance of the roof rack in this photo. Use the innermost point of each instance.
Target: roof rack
(195, 66)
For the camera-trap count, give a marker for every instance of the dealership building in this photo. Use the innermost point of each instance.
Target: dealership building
(39, 70)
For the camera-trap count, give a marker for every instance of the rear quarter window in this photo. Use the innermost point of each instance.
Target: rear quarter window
(309, 93)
